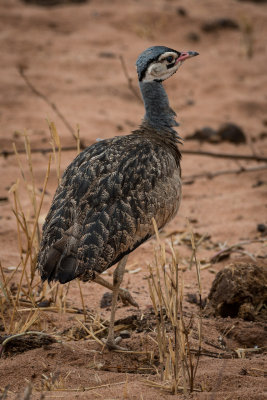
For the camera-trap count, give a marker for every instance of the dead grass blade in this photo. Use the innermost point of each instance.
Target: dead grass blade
(178, 364)
(27, 287)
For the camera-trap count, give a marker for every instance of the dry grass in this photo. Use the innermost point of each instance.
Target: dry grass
(178, 366)
(28, 290)
(22, 291)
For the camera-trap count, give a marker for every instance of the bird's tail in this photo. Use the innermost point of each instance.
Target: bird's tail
(60, 264)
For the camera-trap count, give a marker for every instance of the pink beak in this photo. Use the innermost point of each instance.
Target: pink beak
(185, 55)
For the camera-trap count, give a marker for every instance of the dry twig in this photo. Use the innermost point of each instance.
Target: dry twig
(210, 175)
(54, 107)
(7, 153)
(234, 247)
(177, 361)
(129, 79)
(248, 157)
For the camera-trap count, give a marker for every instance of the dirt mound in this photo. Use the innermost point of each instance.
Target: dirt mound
(239, 290)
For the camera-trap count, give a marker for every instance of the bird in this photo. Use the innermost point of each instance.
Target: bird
(110, 193)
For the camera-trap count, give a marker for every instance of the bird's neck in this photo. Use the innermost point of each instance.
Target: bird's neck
(159, 114)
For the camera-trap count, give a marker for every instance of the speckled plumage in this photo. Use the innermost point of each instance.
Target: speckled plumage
(103, 208)
(104, 205)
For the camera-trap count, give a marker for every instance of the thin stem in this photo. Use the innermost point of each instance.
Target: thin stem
(54, 107)
(225, 155)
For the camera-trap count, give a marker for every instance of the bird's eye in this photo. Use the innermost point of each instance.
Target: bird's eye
(169, 59)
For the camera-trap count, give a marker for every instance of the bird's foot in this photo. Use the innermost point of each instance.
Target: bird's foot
(113, 344)
(126, 297)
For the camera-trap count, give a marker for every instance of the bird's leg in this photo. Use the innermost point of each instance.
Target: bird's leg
(124, 294)
(110, 342)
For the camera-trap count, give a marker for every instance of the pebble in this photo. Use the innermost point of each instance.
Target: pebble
(219, 23)
(106, 300)
(125, 334)
(261, 228)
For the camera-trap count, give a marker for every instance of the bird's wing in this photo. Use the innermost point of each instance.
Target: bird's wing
(104, 206)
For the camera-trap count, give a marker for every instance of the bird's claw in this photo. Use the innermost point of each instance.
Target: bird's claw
(113, 344)
(126, 297)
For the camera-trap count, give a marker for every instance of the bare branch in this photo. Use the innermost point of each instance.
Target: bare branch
(129, 79)
(225, 155)
(210, 175)
(226, 251)
(6, 153)
(54, 107)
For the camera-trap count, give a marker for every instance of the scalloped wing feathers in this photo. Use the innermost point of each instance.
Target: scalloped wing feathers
(103, 208)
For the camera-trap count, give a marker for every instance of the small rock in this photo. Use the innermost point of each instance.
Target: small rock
(257, 184)
(190, 102)
(221, 341)
(119, 128)
(106, 300)
(205, 134)
(243, 371)
(181, 11)
(230, 132)
(193, 220)
(194, 299)
(106, 54)
(125, 334)
(261, 228)
(45, 303)
(262, 135)
(189, 182)
(193, 37)
(219, 23)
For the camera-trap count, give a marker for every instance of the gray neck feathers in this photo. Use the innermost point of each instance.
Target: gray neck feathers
(158, 114)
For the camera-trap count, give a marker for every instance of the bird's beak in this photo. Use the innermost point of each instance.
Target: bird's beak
(185, 55)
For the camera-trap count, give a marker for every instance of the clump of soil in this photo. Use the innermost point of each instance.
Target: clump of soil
(243, 334)
(219, 24)
(24, 342)
(239, 290)
(228, 132)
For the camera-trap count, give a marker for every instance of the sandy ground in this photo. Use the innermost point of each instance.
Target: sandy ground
(70, 54)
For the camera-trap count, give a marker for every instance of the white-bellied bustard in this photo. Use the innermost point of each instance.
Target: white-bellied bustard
(103, 208)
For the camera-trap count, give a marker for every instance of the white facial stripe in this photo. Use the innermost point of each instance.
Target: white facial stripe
(167, 54)
(158, 71)
(151, 73)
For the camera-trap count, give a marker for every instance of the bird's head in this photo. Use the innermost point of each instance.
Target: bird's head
(158, 63)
